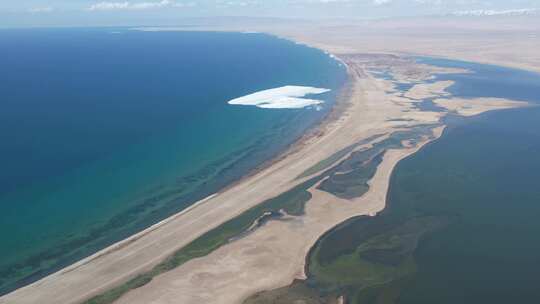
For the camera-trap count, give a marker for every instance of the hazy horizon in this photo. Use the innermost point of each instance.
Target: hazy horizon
(35, 13)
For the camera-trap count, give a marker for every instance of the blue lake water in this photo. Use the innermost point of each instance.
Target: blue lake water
(106, 131)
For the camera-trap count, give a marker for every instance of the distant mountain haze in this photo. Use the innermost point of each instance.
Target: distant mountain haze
(170, 12)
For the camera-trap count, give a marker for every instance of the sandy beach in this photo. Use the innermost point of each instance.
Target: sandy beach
(117, 263)
(273, 255)
(510, 41)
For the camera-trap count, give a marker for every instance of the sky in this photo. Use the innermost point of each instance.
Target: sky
(15, 13)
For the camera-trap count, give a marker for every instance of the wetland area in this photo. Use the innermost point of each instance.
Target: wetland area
(460, 224)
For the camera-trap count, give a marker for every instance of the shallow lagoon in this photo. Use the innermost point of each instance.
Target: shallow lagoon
(461, 223)
(485, 174)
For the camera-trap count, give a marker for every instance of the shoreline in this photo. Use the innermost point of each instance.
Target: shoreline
(279, 166)
(438, 134)
(274, 255)
(311, 134)
(350, 47)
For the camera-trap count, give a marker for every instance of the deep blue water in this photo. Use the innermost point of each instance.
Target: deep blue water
(103, 133)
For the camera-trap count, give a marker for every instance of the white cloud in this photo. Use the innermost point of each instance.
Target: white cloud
(381, 2)
(126, 5)
(333, 1)
(147, 5)
(188, 4)
(430, 2)
(521, 11)
(105, 6)
(225, 3)
(39, 10)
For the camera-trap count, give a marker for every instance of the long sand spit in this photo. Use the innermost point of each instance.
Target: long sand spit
(273, 255)
(141, 252)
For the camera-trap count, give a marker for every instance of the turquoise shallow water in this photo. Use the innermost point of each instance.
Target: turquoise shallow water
(106, 131)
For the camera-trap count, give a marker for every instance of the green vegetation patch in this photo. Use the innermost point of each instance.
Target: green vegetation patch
(353, 183)
(361, 166)
(298, 292)
(332, 159)
(349, 178)
(292, 202)
(366, 255)
(388, 293)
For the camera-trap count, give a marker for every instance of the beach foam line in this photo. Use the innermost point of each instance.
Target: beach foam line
(286, 97)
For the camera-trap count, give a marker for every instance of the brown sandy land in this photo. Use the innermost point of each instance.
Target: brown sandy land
(274, 255)
(122, 261)
(511, 41)
(475, 106)
(428, 90)
(269, 258)
(460, 106)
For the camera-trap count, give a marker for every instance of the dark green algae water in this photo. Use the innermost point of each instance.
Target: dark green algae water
(484, 177)
(483, 174)
(461, 223)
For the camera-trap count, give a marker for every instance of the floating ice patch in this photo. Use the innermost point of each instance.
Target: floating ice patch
(287, 97)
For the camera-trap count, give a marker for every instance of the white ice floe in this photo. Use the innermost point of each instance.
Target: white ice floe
(287, 97)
